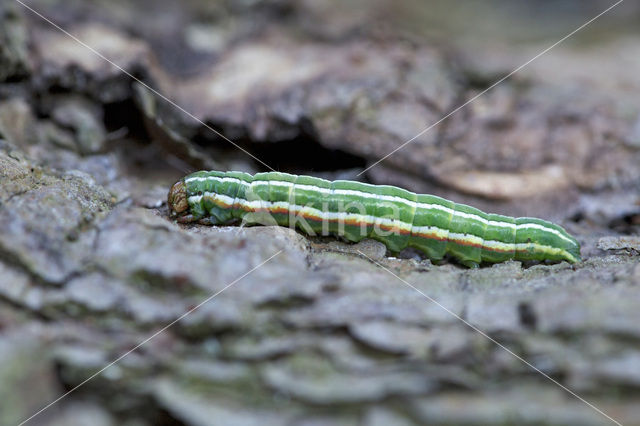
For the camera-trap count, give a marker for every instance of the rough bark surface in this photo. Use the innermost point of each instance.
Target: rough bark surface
(91, 265)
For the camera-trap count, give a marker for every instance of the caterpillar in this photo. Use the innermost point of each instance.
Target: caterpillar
(354, 210)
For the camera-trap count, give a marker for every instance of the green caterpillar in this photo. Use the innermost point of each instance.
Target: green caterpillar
(354, 210)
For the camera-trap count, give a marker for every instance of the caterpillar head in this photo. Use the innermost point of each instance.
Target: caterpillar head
(177, 200)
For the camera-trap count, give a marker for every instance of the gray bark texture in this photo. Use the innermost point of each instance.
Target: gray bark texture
(91, 265)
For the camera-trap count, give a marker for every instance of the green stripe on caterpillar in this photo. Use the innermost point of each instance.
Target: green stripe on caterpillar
(394, 216)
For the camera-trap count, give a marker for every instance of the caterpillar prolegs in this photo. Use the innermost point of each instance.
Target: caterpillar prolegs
(394, 216)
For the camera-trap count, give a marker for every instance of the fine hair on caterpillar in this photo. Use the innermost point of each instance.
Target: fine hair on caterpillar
(353, 210)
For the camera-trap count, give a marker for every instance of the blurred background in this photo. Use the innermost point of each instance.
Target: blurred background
(323, 87)
(90, 265)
